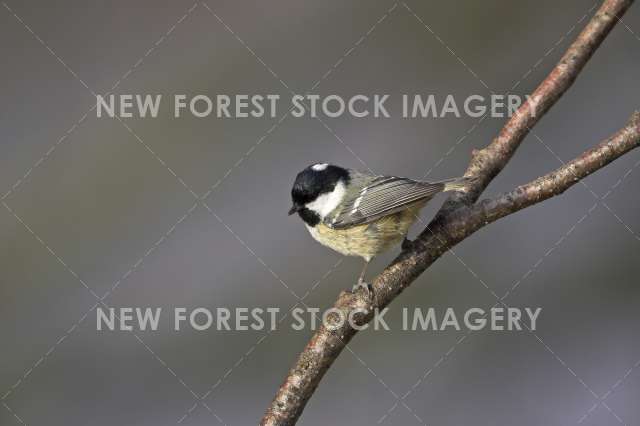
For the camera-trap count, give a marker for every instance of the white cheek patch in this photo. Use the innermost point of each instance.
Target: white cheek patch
(326, 203)
(319, 167)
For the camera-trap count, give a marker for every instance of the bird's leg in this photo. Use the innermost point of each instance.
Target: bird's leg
(364, 269)
(361, 283)
(407, 244)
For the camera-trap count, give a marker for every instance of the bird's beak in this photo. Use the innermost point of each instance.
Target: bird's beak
(293, 209)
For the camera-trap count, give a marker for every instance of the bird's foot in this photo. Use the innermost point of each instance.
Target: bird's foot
(368, 288)
(407, 244)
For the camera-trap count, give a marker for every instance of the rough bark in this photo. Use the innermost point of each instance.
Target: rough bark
(462, 215)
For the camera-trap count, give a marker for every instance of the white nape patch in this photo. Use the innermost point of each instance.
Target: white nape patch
(319, 167)
(325, 203)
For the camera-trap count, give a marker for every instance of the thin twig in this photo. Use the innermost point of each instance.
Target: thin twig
(461, 216)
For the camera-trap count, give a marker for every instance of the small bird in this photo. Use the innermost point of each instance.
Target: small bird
(359, 214)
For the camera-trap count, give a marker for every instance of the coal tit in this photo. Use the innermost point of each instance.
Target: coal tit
(359, 214)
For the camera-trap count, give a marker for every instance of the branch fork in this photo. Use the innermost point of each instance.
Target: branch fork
(462, 214)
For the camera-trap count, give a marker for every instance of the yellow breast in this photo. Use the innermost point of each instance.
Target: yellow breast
(369, 239)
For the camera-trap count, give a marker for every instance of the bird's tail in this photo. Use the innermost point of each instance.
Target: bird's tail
(457, 184)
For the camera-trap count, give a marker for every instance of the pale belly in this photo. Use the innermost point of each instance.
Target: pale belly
(367, 240)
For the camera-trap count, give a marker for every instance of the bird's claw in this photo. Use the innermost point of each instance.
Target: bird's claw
(368, 288)
(407, 244)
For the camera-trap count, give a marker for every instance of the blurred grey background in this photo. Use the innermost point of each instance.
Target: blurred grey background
(91, 212)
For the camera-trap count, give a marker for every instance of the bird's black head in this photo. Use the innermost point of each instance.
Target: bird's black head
(310, 184)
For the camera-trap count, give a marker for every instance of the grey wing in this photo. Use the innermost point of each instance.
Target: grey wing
(381, 197)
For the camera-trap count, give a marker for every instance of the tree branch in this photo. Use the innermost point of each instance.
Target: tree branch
(461, 216)
(558, 181)
(488, 162)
